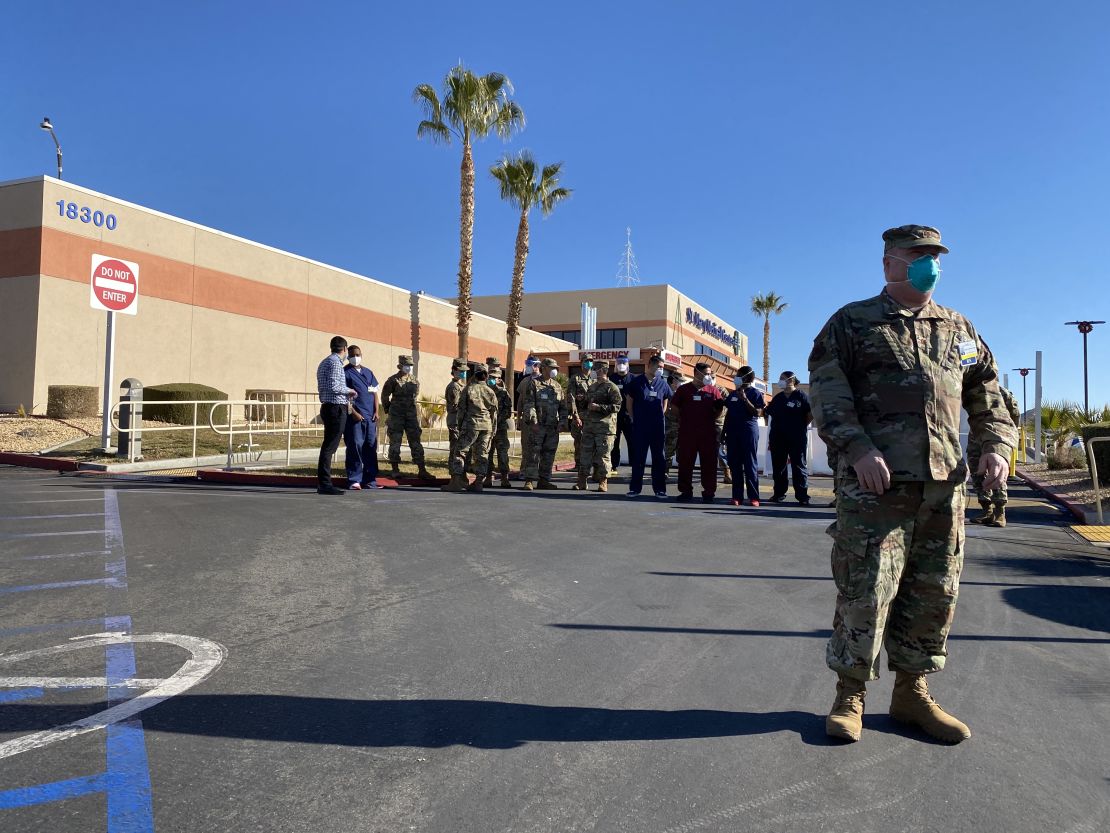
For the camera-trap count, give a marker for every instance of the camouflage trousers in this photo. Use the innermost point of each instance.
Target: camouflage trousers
(545, 442)
(500, 446)
(896, 561)
(595, 455)
(576, 432)
(473, 446)
(525, 446)
(671, 443)
(987, 497)
(404, 425)
(833, 458)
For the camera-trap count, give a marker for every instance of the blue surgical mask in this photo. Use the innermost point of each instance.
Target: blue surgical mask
(491, 382)
(587, 365)
(922, 273)
(462, 374)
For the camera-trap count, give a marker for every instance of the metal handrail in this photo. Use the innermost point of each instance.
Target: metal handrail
(1094, 474)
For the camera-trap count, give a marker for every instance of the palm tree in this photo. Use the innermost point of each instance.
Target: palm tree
(521, 188)
(766, 305)
(472, 106)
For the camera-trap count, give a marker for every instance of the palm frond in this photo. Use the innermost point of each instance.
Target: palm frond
(438, 131)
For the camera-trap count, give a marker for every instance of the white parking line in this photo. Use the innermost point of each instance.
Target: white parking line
(50, 517)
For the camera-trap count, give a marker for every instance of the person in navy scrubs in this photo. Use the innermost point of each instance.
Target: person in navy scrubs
(646, 398)
(788, 438)
(743, 408)
(361, 430)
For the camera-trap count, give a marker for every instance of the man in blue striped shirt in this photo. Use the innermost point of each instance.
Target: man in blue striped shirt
(331, 384)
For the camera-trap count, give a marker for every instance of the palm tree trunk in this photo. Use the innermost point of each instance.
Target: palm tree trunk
(767, 349)
(516, 294)
(466, 247)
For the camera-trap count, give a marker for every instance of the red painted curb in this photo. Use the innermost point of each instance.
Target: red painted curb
(34, 461)
(1074, 508)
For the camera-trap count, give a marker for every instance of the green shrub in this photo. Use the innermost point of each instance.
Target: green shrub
(1065, 458)
(1101, 449)
(181, 391)
(70, 401)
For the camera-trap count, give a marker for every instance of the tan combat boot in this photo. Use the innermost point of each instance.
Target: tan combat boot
(845, 720)
(988, 513)
(998, 517)
(457, 484)
(505, 484)
(912, 704)
(580, 486)
(529, 485)
(603, 485)
(476, 486)
(728, 474)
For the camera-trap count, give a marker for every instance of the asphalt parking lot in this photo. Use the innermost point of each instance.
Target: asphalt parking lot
(510, 661)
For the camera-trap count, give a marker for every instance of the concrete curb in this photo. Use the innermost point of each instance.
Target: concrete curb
(1076, 509)
(301, 481)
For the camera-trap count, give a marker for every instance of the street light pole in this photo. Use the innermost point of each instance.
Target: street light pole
(49, 128)
(1024, 371)
(1084, 327)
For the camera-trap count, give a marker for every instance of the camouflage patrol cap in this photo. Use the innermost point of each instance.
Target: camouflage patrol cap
(601, 364)
(492, 362)
(480, 369)
(458, 364)
(549, 363)
(587, 357)
(402, 359)
(495, 372)
(911, 236)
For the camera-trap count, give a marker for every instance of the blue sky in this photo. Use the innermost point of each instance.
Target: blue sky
(750, 146)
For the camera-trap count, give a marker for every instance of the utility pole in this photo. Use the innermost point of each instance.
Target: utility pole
(1084, 327)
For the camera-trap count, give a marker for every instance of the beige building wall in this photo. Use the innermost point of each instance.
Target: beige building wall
(213, 308)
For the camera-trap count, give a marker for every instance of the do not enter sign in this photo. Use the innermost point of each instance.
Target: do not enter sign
(114, 285)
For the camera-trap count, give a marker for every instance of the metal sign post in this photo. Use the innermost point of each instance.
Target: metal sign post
(113, 287)
(1037, 406)
(109, 373)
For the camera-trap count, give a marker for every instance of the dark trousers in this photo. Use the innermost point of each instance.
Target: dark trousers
(334, 417)
(790, 451)
(361, 438)
(642, 440)
(743, 459)
(625, 430)
(703, 447)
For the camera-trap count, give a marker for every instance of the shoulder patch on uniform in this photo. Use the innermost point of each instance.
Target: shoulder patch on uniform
(969, 353)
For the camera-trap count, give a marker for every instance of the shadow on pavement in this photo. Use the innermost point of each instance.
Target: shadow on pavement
(427, 723)
(1076, 607)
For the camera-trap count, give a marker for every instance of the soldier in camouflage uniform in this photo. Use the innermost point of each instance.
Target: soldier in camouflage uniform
(577, 385)
(544, 409)
(675, 380)
(531, 371)
(500, 444)
(833, 458)
(454, 391)
(993, 501)
(399, 401)
(477, 417)
(600, 409)
(888, 378)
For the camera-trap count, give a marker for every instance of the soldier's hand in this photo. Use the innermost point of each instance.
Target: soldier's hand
(594, 406)
(995, 469)
(871, 468)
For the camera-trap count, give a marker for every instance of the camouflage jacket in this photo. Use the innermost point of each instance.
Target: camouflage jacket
(577, 387)
(544, 403)
(477, 408)
(886, 378)
(399, 394)
(1011, 405)
(607, 397)
(452, 395)
(504, 407)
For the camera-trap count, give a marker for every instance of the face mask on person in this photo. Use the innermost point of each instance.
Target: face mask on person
(587, 365)
(407, 369)
(738, 380)
(593, 376)
(461, 374)
(355, 360)
(491, 382)
(922, 272)
(658, 372)
(622, 368)
(707, 379)
(784, 384)
(553, 373)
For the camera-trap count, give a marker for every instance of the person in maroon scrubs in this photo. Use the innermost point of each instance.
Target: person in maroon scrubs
(699, 402)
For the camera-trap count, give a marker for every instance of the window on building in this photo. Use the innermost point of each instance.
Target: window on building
(706, 350)
(612, 339)
(566, 335)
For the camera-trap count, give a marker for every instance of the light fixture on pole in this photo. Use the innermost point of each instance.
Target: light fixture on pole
(1024, 371)
(1084, 327)
(49, 128)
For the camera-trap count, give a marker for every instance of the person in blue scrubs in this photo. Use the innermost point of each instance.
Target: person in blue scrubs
(361, 430)
(646, 399)
(741, 435)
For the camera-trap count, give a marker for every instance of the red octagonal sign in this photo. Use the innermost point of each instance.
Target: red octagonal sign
(114, 285)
